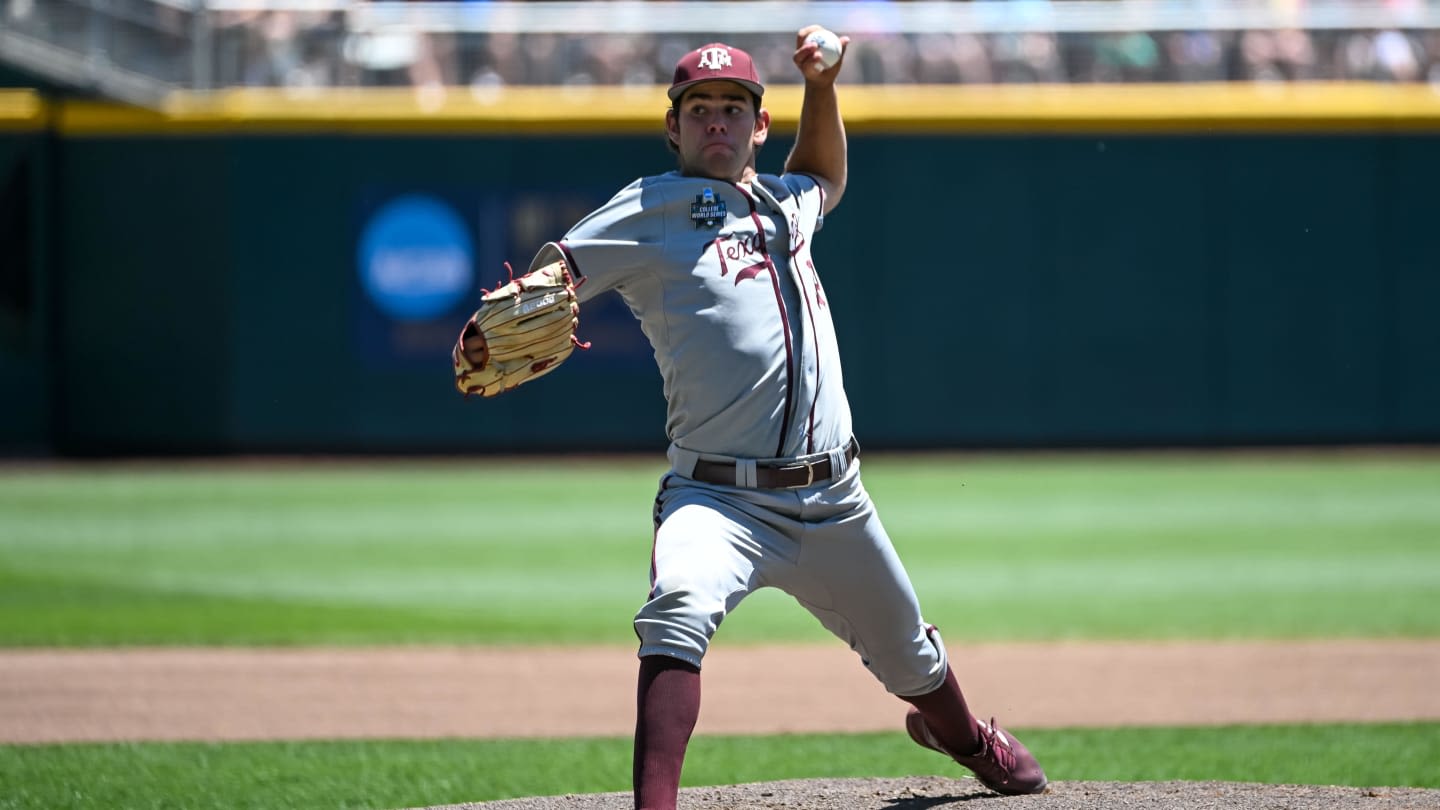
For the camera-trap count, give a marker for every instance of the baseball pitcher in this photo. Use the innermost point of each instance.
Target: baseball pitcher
(764, 487)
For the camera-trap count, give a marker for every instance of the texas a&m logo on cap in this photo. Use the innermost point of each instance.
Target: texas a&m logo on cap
(716, 61)
(716, 57)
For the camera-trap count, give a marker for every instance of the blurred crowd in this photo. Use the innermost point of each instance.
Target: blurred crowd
(289, 48)
(269, 47)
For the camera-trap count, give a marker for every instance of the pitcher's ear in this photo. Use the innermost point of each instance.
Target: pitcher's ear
(762, 127)
(672, 127)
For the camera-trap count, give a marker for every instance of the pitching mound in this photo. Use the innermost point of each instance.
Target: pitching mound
(924, 793)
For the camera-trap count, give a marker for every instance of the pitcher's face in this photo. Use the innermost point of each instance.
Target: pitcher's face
(717, 129)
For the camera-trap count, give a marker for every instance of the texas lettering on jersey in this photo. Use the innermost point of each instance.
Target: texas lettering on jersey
(740, 249)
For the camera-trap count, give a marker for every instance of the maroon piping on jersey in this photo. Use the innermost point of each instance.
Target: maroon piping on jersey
(570, 263)
(815, 335)
(784, 323)
(814, 331)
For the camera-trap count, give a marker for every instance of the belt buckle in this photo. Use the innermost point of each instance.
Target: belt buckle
(808, 467)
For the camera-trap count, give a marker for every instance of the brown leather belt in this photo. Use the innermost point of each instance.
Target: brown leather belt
(789, 475)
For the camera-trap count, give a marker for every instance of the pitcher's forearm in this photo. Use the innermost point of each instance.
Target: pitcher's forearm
(820, 145)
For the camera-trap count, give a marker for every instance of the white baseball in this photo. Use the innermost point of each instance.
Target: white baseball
(829, 47)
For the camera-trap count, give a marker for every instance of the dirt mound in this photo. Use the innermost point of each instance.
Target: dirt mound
(915, 793)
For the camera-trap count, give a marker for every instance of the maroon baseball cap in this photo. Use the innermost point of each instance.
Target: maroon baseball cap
(716, 61)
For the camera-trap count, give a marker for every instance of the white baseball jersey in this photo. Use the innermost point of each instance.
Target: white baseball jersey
(720, 277)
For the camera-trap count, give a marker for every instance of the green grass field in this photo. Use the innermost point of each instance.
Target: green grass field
(1184, 546)
(395, 774)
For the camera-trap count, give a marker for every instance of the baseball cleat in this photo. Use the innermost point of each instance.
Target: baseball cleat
(1002, 764)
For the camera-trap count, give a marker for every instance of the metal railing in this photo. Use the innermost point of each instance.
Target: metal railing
(140, 50)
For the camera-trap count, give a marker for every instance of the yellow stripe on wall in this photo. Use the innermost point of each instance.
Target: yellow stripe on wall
(22, 110)
(894, 109)
(1197, 108)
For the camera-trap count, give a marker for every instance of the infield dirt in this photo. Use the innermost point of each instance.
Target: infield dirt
(69, 695)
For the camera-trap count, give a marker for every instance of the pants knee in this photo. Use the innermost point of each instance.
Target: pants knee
(915, 668)
(676, 624)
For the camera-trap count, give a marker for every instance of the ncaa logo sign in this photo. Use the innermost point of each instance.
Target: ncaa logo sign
(416, 260)
(715, 58)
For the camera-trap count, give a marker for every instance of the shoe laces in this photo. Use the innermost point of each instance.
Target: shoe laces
(995, 747)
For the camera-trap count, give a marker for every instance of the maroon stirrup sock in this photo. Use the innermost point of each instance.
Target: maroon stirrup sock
(948, 717)
(667, 705)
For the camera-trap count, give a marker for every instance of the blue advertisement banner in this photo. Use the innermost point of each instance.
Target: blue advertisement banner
(422, 257)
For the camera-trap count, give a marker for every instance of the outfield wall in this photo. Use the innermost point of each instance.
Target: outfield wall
(1038, 267)
(25, 232)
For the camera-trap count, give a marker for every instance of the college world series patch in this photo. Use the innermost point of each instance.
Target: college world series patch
(706, 211)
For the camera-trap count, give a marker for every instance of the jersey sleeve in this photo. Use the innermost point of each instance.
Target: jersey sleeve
(808, 195)
(613, 245)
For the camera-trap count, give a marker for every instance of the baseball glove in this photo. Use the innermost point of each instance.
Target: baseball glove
(522, 330)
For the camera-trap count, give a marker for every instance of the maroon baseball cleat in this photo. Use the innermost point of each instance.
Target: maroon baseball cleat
(1002, 764)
